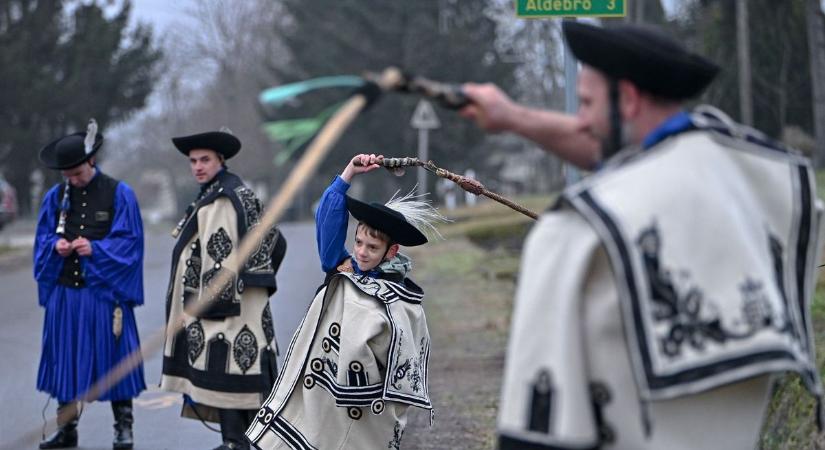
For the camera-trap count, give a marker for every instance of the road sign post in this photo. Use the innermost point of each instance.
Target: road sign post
(424, 119)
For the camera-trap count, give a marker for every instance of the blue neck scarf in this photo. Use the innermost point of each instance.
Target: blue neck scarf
(674, 124)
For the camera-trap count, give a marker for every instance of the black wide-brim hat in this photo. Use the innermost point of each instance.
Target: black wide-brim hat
(218, 141)
(69, 151)
(655, 62)
(386, 220)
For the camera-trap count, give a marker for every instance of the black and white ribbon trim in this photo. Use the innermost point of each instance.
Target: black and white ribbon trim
(347, 395)
(290, 434)
(283, 429)
(387, 291)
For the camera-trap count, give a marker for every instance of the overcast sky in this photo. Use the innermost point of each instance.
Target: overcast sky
(163, 13)
(160, 13)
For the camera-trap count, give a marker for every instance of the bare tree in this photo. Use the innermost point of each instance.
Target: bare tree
(535, 49)
(218, 62)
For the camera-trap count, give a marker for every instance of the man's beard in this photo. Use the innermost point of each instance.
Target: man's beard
(610, 145)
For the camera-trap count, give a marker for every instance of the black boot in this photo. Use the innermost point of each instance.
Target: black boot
(66, 434)
(124, 419)
(234, 423)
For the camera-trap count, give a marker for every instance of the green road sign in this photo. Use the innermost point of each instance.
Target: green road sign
(570, 8)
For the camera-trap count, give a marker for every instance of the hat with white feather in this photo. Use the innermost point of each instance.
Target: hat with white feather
(72, 150)
(401, 218)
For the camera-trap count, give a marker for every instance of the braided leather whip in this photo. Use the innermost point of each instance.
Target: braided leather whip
(468, 184)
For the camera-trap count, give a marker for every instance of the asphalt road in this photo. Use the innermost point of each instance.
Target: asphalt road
(157, 421)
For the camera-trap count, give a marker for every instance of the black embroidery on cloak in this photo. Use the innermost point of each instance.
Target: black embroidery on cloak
(541, 403)
(331, 365)
(692, 318)
(777, 252)
(400, 373)
(219, 245)
(400, 369)
(226, 294)
(245, 349)
(261, 258)
(397, 434)
(266, 324)
(600, 397)
(195, 340)
(356, 375)
(192, 274)
(417, 374)
(251, 205)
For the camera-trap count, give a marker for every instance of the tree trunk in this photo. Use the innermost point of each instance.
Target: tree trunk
(816, 49)
(744, 58)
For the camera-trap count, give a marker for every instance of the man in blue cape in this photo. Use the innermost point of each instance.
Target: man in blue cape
(88, 263)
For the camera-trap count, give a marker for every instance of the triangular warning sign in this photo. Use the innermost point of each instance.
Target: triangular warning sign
(424, 116)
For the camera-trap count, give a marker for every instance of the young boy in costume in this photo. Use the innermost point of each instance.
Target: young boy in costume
(359, 358)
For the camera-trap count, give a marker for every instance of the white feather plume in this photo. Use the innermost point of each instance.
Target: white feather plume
(418, 210)
(91, 134)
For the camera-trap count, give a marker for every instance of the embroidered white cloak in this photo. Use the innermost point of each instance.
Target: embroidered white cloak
(226, 359)
(655, 303)
(353, 368)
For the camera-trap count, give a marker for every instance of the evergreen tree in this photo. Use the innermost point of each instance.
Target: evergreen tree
(58, 69)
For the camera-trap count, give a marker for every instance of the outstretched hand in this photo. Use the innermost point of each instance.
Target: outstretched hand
(362, 163)
(491, 109)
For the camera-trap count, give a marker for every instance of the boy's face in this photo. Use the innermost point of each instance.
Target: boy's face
(369, 251)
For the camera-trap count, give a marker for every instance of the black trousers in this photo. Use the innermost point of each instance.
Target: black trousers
(234, 423)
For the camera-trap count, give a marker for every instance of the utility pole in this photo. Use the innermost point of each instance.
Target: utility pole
(744, 57)
(816, 50)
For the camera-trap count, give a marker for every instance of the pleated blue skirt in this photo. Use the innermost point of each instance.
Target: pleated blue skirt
(79, 347)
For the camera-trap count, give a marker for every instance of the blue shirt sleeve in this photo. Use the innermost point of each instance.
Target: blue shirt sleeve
(331, 219)
(116, 262)
(47, 263)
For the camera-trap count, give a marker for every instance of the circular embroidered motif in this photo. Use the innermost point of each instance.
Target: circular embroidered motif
(377, 406)
(334, 330)
(354, 413)
(316, 365)
(309, 382)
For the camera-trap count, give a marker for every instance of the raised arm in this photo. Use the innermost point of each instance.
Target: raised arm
(332, 216)
(556, 132)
